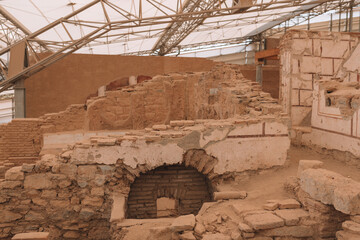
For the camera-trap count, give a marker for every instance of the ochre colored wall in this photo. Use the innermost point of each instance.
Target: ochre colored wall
(72, 79)
(271, 77)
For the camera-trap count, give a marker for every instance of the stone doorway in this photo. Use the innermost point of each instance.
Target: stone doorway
(168, 191)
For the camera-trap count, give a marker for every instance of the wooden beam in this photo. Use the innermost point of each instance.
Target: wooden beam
(267, 54)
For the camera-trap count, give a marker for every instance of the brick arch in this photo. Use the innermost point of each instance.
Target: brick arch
(184, 184)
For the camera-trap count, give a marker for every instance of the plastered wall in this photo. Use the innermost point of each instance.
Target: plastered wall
(72, 79)
(309, 61)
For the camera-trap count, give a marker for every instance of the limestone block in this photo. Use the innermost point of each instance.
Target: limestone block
(245, 228)
(292, 216)
(306, 97)
(306, 164)
(355, 218)
(159, 127)
(295, 97)
(230, 195)
(342, 235)
(86, 172)
(352, 63)
(289, 204)
(334, 49)
(92, 201)
(10, 184)
(310, 64)
(27, 167)
(301, 46)
(351, 227)
(14, 174)
(327, 66)
(332, 188)
(216, 236)
(118, 208)
(271, 206)
(251, 129)
(38, 181)
(293, 231)
(31, 236)
(183, 223)
(7, 216)
(264, 221)
(187, 236)
(106, 141)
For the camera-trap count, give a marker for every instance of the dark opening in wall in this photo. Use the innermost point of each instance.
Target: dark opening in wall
(168, 191)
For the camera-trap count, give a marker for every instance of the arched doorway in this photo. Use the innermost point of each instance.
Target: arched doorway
(168, 191)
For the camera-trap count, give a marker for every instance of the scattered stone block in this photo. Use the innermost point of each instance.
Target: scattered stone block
(27, 167)
(159, 127)
(247, 235)
(291, 216)
(289, 204)
(245, 228)
(271, 206)
(264, 221)
(106, 141)
(355, 218)
(14, 174)
(230, 195)
(183, 223)
(216, 236)
(332, 188)
(342, 235)
(293, 231)
(187, 236)
(306, 164)
(31, 236)
(351, 227)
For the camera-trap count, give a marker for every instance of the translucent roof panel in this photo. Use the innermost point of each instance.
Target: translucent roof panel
(141, 26)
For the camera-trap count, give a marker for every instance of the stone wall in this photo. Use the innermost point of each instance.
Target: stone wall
(20, 140)
(218, 94)
(319, 82)
(71, 195)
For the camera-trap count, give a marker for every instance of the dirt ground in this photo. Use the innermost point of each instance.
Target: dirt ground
(269, 184)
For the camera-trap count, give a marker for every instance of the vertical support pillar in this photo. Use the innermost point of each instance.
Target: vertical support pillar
(351, 16)
(331, 23)
(339, 17)
(259, 73)
(20, 101)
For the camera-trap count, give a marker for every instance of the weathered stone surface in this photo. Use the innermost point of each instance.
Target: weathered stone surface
(71, 235)
(293, 231)
(351, 227)
(245, 228)
(14, 174)
(342, 235)
(106, 141)
(38, 181)
(187, 236)
(306, 164)
(10, 184)
(7, 216)
(92, 201)
(264, 221)
(230, 195)
(27, 167)
(291, 216)
(271, 206)
(183, 223)
(289, 204)
(216, 236)
(355, 218)
(31, 236)
(119, 206)
(199, 228)
(332, 188)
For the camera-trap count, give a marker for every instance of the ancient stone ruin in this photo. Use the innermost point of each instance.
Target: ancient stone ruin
(196, 155)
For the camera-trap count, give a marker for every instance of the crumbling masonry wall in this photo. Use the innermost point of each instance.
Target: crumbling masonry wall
(319, 88)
